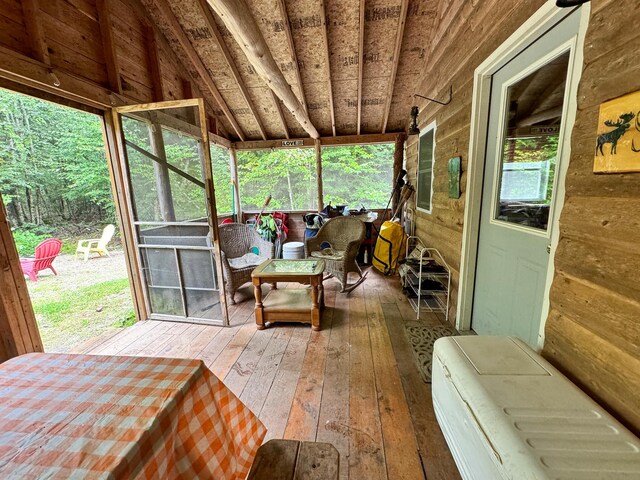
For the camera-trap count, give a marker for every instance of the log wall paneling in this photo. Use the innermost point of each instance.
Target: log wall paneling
(593, 329)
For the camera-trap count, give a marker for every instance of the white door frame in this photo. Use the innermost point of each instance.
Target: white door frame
(547, 16)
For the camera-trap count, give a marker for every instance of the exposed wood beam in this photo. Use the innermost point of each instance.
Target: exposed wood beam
(404, 7)
(108, 46)
(243, 27)
(211, 23)
(196, 62)
(276, 102)
(323, 15)
(360, 63)
(549, 114)
(155, 70)
(35, 34)
(294, 56)
(324, 141)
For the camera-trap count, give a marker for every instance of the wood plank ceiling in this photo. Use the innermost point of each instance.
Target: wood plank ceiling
(318, 46)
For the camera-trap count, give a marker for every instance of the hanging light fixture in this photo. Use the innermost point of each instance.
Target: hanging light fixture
(413, 128)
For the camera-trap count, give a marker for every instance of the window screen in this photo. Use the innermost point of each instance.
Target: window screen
(425, 169)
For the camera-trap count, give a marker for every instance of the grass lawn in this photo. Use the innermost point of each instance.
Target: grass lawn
(85, 300)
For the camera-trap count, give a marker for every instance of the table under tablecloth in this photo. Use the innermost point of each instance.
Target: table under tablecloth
(90, 417)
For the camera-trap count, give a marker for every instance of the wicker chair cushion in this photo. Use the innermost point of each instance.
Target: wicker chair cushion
(329, 254)
(247, 260)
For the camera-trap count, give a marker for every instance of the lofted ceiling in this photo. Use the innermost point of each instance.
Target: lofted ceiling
(317, 46)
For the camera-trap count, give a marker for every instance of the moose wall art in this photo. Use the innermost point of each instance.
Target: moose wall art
(617, 147)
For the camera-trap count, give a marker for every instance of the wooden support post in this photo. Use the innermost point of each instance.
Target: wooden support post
(243, 27)
(108, 46)
(35, 34)
(398, 161)
(161, 171)
(233, 161)
(319, 174)
(119, 190)
(18, 328)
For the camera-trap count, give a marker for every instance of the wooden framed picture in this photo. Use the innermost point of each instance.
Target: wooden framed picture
(617, 147)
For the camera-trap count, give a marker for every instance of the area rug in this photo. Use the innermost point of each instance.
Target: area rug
(421, 337)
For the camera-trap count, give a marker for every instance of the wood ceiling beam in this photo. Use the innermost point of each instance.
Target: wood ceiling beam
(196, 62)
(325, 37)
(360, 63)
(404, 7)
(276, 102)
(294, 56)
(153, 57)
(243, 27)
(211, 23)
(35, 33)
(109, 46)
(324, 141)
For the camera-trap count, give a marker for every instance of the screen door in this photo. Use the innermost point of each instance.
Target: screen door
(164, 151)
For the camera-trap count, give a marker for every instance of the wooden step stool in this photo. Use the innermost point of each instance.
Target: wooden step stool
(294, 460)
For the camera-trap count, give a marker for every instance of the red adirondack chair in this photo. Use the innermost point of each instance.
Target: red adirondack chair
(46, 252)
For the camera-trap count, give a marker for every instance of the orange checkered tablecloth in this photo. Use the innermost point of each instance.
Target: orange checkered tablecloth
(89, 417)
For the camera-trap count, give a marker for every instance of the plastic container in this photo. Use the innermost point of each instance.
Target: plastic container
(293, 250)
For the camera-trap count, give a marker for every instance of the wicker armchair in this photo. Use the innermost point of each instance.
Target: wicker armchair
(236, 240)
(343, 235)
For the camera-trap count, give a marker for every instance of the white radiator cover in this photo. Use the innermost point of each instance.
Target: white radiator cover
(506, 413)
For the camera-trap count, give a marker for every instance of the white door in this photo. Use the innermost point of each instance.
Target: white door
(528, 101)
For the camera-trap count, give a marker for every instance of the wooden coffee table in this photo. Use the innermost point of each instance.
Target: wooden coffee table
(289, 304)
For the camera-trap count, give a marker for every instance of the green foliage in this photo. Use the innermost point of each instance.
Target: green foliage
(27, 241)
(127, 320)
(351, 175)
(267, 228)
(52, 162)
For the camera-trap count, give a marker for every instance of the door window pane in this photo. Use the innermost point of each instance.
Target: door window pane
(530, 146)
(425, 170)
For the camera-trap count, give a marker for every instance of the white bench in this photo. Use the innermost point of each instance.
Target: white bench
(507, 413)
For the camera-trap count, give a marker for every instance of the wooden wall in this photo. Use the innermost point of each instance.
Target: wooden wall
(104, 52)
(593, 328)
(465, 34)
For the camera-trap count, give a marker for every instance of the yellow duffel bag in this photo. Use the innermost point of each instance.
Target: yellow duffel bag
(390, 247)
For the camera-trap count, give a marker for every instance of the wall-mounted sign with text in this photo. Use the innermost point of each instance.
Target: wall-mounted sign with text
(292, 143)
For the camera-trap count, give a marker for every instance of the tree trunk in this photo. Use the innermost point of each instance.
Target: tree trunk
(290, 190)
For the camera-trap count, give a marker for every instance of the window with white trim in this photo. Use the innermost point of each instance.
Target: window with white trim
(426, 156)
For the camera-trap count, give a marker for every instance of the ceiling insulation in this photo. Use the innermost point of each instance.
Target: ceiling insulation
(293, 30)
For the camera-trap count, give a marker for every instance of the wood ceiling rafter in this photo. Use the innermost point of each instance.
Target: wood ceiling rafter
(294, 56)
(325, 38)
(210, 21)
(240, 22)
(159, 40)
(35, 33)
(360, 65)
(108, 46)
(396, 60)
(176, 29)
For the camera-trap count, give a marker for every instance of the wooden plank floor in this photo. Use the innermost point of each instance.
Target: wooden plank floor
(353, 384)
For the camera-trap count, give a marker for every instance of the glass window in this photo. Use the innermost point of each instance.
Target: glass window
(530, 145)
(288, 175)
(357, 175)
(222, 181)
(426, 148)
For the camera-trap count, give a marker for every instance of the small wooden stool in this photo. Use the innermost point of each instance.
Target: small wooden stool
(294, 460)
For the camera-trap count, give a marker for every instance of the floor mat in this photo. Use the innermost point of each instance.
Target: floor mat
(421, 337)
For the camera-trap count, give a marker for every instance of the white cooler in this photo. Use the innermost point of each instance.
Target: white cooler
(507, 413)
